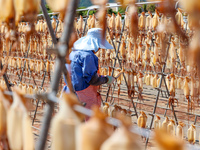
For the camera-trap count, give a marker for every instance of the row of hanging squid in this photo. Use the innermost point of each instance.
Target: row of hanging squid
(27, 57)
(144, 55)
(35, 65)
(26, 88)
(169, 126)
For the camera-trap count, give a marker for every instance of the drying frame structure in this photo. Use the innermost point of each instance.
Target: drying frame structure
(162, 75)
(62, 51)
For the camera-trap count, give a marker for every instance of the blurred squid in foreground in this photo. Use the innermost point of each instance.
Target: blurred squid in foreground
(166, 141)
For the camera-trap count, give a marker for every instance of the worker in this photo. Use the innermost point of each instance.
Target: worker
(84, 66)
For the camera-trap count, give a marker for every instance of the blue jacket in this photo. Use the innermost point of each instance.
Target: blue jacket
(84, 64)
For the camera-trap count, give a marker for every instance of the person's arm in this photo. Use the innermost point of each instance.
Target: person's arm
(90, 73)
(98, 80)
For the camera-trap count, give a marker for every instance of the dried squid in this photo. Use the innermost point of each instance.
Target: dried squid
(58, 6)
(64, 124)
(93, 133)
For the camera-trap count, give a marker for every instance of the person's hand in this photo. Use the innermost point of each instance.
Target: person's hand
(111, 80)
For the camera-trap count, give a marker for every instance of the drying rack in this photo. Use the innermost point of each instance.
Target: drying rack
(159, 89)
(131, 98)
(46, 16)
(112, 121)
(120, 65)
(61, 52)
(20, 76)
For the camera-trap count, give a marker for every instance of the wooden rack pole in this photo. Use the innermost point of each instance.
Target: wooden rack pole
(5, 78)
(59, 66)
(117, 58)
(158, 94)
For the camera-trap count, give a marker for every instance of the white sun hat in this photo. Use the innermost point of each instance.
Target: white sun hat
(92, 41)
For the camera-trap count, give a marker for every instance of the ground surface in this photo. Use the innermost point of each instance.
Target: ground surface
(146, 105)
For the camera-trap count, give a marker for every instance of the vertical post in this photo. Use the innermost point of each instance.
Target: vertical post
(167, 96)
(157, 97)
(86, 22)
(47, 18)
(5, 75)
(59, 65)
(24, 63)
(5, 79)
(117, 58)
(67, 77)
(54, 40)
(195, 121)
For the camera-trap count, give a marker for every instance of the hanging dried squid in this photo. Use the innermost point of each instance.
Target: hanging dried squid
(179, 130)
(142, 21)
(123, 51)
(80, 26)
(102, 19)
(156, 55)
(186, 90)
(154, 85)
(65, 122)
(155, 19)
(147, 54)
(149, 19)
(191, 133)
(142, 120)
(7, 11)
(130, 45)
(182, 58)
(166, 141)
(59, 6)
(127, 21)
(53, 23)
(171, 127)
(4, 107)
(172, 98)
(165, 123)
(140, 85)
(132, 83)
(173, 56)
(133, 21)
(129, 83)
(19, 129)
(118, 25)
(93, 133)
(157, 123)
(179, 18)
(111, 25)
(105, 108)
(130, 141)
(27, 8)
(134, 55)
(139, 55)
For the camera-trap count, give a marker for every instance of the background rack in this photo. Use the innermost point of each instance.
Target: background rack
(161, 95)
(59, 63)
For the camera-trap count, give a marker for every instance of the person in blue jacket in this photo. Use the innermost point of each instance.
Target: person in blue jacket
(84, 67)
